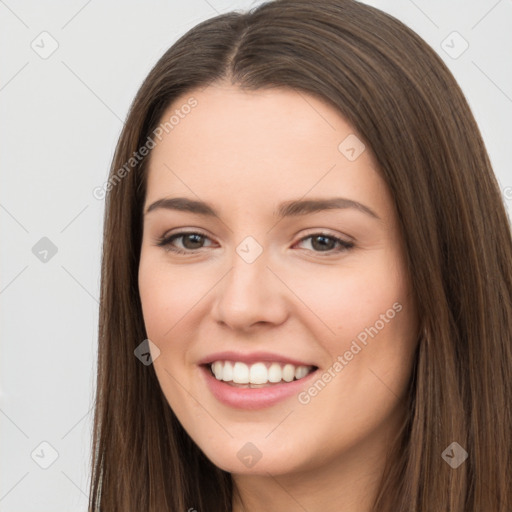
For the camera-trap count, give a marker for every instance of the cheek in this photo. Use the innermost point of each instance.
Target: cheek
(350, 297)
(166, 296)
(371, 325)
(157, 299)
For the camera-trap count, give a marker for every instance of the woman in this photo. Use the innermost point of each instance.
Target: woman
(307, 278)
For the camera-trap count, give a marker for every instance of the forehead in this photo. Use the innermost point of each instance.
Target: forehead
(239, 124)
(244, 145)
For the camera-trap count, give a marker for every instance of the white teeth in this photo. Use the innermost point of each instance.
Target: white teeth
(300, 372)
(274, 373)
(288, 372)
(240, 373)
(258, 373)
(227, 373)
(217, 369)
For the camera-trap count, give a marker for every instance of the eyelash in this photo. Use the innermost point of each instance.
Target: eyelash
(165, 242)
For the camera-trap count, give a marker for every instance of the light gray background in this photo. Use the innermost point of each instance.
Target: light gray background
(61, 117)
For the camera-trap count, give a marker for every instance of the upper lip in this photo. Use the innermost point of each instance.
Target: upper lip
(252, 357)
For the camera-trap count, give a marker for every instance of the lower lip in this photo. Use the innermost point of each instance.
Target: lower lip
(253, 398)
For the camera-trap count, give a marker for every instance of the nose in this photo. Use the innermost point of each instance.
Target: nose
(250, 294)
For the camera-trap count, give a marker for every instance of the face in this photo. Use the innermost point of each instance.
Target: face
(285, 331)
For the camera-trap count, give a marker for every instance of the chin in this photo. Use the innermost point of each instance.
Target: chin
(253, 458)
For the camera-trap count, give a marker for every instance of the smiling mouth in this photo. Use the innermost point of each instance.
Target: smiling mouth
(259, 374)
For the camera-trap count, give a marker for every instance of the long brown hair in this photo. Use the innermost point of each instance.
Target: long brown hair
(406, 106)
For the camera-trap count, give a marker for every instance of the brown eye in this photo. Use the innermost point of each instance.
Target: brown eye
(190, 241)
(327, 243)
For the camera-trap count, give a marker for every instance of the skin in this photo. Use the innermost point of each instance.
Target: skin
(245, 153)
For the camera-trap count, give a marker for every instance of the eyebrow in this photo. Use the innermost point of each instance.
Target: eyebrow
(287, 209)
